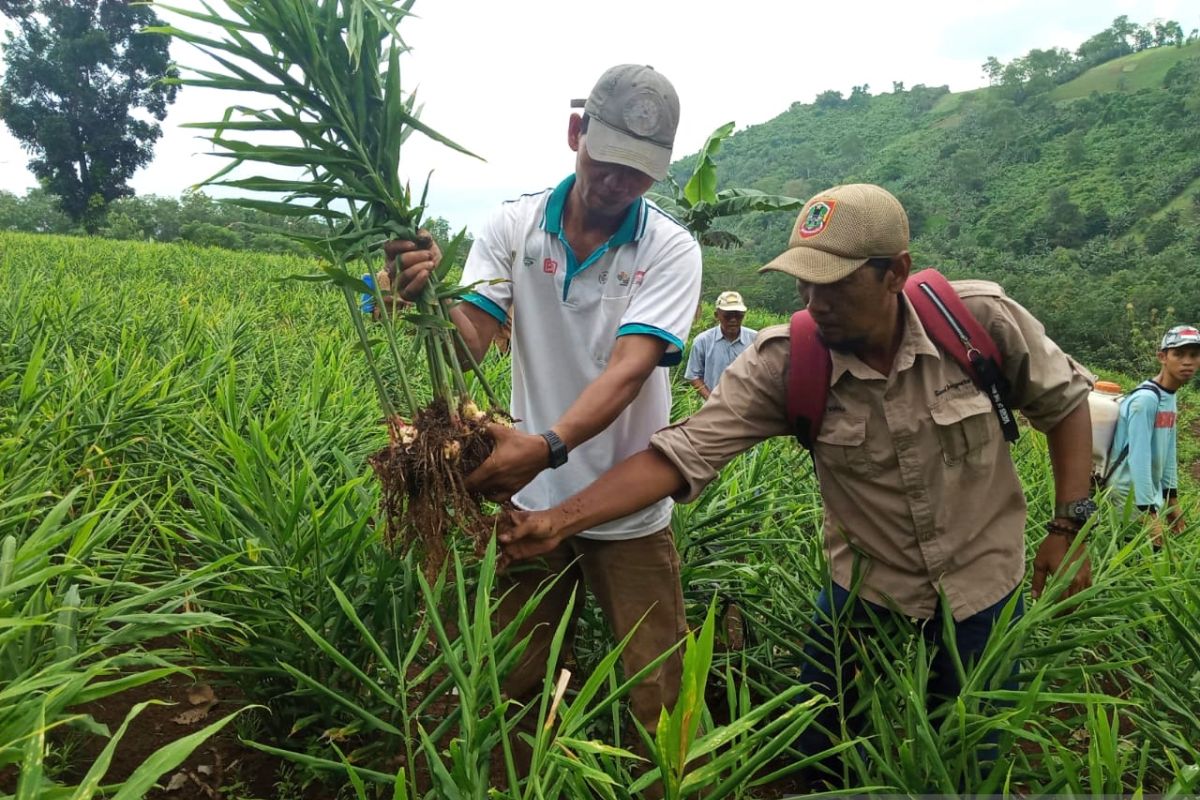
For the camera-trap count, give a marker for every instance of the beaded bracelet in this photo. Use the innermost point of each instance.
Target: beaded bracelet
(1053, 527)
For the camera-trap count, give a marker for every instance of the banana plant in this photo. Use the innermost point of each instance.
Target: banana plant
(698, 204)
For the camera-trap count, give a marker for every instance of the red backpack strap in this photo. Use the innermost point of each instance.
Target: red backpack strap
(808, 378)
(954, 329)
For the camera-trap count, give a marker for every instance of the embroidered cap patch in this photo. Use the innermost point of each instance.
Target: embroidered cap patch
(817, 218)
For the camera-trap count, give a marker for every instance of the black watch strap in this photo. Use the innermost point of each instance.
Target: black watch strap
(558, 450)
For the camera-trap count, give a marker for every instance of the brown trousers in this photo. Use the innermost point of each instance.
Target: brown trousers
(628, 578)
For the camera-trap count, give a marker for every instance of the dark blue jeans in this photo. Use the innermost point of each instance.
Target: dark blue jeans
(828, 656)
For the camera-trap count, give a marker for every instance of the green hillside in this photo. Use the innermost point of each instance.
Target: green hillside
(1144, 70)
(1086, 209)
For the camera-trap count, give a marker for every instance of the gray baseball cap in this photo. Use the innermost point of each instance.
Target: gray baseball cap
(633, 112)
(1180, 336)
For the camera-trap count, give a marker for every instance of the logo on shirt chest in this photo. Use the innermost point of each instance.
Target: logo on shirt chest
(549, 266)
(529, 261)
(949, 387)
(1165, 419)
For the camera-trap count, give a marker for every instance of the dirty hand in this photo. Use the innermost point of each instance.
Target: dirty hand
(1051, 556)
(409, 266)
(516, 460)
(530, 534)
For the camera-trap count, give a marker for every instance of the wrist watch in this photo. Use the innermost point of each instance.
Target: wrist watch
(558, 449)
(1077, 511)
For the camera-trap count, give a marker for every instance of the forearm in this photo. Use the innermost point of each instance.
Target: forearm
(1070, 443)
(632, 485)
(474, 332)
(701, 387)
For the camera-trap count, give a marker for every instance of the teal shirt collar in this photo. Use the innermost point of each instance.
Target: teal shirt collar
(631, 230)
(632, 227)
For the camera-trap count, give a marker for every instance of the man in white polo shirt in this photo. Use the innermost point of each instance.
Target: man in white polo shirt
(715, 349)
(606, 284)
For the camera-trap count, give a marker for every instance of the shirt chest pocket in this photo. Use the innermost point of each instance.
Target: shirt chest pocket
(841, 445)
(964, 426)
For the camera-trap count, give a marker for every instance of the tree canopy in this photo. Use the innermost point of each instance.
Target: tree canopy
(81, 92)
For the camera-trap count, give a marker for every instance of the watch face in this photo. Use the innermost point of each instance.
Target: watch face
(1081, 510)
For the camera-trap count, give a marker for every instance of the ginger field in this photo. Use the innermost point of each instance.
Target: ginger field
(187, 515)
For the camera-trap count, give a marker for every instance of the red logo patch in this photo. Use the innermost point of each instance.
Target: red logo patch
(816, 218)
(638, 277)
(1164, 419)
(549, 266)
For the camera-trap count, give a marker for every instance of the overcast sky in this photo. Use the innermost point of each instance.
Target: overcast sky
(498, 76)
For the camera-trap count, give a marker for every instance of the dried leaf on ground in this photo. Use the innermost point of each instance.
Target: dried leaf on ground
(200, 694)
(193, 715)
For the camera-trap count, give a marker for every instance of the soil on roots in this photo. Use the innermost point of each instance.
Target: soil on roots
(422, 472)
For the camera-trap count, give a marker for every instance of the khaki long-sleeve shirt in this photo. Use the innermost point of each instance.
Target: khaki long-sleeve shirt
(914, 471)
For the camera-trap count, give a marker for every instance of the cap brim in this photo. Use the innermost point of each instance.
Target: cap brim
(813, 265)
(735, 307)
(606, 143)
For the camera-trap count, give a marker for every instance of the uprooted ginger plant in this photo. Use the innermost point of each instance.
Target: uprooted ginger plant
(332, 68)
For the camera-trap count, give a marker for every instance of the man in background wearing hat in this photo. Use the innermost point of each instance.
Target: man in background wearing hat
(606, 284)
(922, 500)
(715, 349)
(1145, 438)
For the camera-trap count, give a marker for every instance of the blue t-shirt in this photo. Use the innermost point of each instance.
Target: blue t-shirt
(366, 303)
(366, 300)
(1146, 426)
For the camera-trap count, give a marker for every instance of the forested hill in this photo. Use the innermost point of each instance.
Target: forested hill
(1073, 180)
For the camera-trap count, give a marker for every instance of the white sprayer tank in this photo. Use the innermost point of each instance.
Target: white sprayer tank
(1103, 402)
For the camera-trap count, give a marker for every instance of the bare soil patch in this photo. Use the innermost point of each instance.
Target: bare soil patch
(214, 770)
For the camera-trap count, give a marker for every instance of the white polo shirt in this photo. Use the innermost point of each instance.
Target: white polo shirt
(644, 280)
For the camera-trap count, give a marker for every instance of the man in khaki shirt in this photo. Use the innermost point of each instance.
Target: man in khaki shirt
(921, 495)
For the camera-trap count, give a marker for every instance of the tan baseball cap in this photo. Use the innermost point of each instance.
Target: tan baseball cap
(839, 229)
(633, 112)
(730, 301)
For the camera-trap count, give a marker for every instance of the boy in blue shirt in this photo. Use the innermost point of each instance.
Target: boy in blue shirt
(1145, 437)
